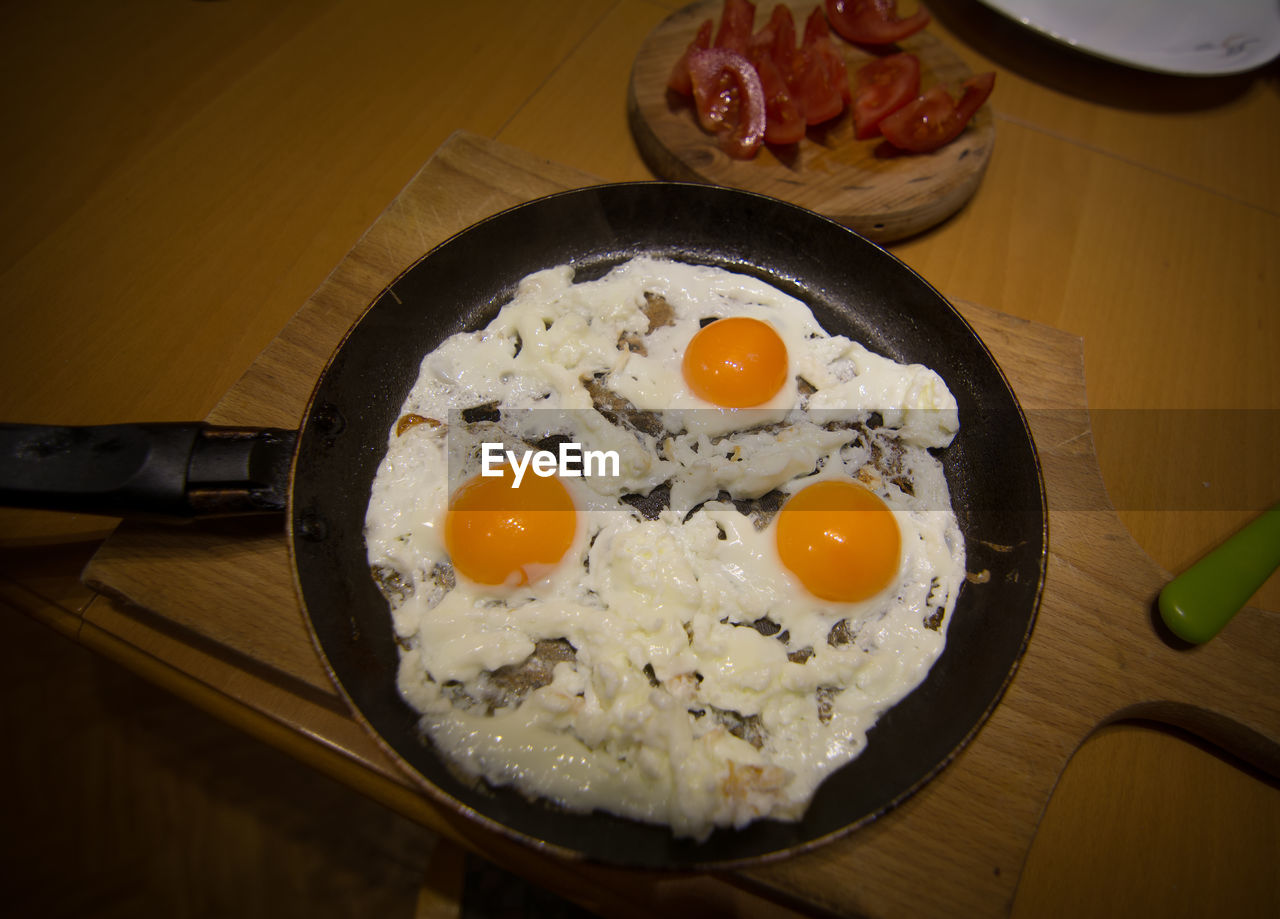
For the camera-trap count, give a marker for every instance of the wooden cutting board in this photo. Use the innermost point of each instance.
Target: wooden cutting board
(864, 184)
(222, 592)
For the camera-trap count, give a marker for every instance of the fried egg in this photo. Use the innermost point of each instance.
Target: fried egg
(702, 638)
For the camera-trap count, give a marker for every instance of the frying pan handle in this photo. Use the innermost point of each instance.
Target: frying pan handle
(154, 470)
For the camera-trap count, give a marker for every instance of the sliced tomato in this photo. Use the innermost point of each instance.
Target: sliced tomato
(873, 22)
(819, 81)
(729, 99)
(679, 79)
(883, 86)
(776, 38)
(784, 122)
(736, 21)
(815, 27)
(783, 25)
(936, 118)
(772, 51)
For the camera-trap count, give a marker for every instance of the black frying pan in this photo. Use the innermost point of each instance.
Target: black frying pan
(854, 288)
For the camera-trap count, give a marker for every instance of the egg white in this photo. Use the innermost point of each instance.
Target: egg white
(707, 686)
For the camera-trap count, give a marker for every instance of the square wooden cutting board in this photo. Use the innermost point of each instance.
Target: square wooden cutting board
(216, 600)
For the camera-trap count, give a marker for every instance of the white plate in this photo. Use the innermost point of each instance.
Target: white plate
(1187, 37)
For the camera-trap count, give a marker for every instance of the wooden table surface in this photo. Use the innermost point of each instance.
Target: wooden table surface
(182, 176)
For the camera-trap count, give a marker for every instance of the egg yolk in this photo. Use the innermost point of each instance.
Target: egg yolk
(496, 534)
(736, 362)
(840, 540)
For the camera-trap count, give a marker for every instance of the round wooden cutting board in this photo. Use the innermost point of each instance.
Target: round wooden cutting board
(865, 184)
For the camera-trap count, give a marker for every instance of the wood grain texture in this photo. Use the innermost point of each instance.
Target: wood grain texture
(128, 802)
(864, 184)
(957, 846)
(1189, 873)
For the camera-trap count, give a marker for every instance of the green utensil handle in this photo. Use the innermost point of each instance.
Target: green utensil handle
(1199, 602)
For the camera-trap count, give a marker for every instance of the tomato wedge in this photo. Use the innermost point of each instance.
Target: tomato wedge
(819, 80)
(736, 21)
(873, 22)
(777, 39)
(817, 34)
(772, 51)
(784, 122)
(730, 100)
(936, 118)
(679, 79)
(883, 86)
